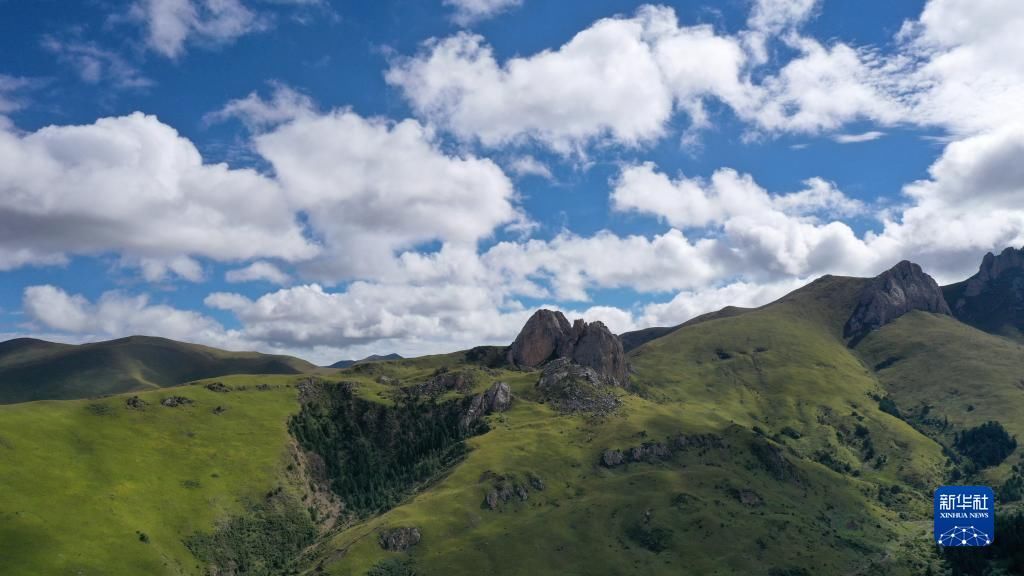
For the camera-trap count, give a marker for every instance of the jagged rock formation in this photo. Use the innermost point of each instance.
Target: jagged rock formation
(891, 294)
(497, 398)
(993, 299)
(548, 335)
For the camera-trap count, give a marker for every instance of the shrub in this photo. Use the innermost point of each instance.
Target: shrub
(986, 445)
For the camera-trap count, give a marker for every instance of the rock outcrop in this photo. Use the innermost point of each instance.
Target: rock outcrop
(573, 388)
(398, 539)
(652, 452)
(548, 335)
(497, 398)
(993, 299)
(892, 294)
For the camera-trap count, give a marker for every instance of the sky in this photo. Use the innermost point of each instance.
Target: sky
(333, 179)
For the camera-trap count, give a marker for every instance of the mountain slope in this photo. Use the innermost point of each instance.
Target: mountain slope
(637, 338)
(786, 451)
(37, 370)
(993, 299)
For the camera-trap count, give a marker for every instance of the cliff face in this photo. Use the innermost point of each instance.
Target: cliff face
(548, 335)
(993, 299)
(891, 294)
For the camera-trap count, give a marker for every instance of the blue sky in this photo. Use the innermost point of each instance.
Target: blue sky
(333, 179)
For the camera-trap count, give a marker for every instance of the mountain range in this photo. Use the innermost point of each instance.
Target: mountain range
(802, 437)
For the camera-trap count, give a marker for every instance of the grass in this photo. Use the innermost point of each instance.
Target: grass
(83, 479)
(783, 367)
(811, 476)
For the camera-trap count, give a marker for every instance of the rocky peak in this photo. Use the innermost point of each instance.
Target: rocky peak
(543, 338)
(548, 335)
(891, 294)
(993, 299)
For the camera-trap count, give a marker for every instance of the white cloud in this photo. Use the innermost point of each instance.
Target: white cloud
(286, 104)
(605, 82)
(690, 304)
(259, 270)
(172, 23)
(467, 12)
(371, 187)
(856, 138)
(94, 64)
(10, 97)
(116, 314)
(693, 202)
(529, 166)
(133, 186)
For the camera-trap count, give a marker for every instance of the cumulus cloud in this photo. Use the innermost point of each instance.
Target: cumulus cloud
(259, 270)
(133, 186)
(116, 314)
(372, 187)
(467, 12)
(171, 23)
(257, 113)
(529, 166)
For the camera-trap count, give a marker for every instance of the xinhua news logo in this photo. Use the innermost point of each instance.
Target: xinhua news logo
(965, 516)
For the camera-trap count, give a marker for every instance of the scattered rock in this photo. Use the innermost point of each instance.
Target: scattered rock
(573, 388)
(218, 387)
(136, 403)
(612, 458)
(536, 482)
(444, 381)
(219, 410)
(747, 497)
(892, 294)
(774, 462)
(398, 539)
(175, 401)
(504, 489)
(649, 452)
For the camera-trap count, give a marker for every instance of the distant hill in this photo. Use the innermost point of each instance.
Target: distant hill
(637, 338)
(38, 370)
(371, 358)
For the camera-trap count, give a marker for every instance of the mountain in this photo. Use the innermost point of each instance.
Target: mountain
(37, 370)
(803, 437)
(371, 358)
(637, 338)
(993, 299)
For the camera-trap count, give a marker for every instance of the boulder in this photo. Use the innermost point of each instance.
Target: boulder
(612, 458)
(398, 539)
(545, 335)
(892, 294)
(497, 398)
(175, 401)
(597, 348)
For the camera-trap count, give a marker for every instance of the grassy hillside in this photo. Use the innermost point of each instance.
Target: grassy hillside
(83, 480)
(780, 455)
(637, 338)
(946, 377)
(798, 470)
(36, 370)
